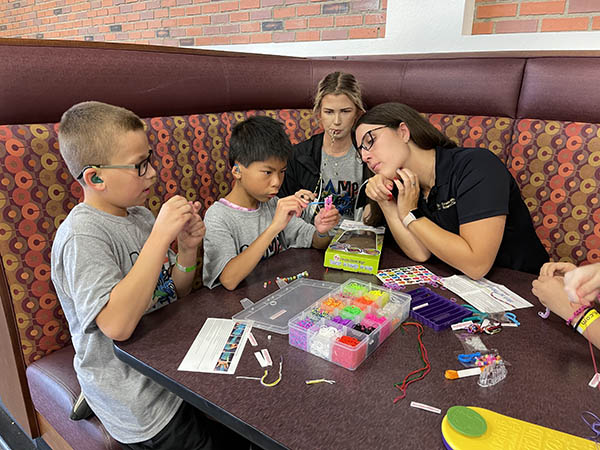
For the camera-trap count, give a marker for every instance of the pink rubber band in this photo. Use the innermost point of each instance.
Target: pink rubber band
(575, 314)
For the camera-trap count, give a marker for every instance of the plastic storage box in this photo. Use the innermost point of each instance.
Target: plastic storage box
(274, 311)
(348, 324)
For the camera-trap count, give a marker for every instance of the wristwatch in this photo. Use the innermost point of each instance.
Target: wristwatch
(412, 215)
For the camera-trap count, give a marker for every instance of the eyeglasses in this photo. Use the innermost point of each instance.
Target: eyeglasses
(142, 167)
(366, 145)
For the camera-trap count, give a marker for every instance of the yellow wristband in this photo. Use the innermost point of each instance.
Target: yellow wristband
(587, 320)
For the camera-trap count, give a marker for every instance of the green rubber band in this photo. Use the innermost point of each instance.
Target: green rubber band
(185, 269)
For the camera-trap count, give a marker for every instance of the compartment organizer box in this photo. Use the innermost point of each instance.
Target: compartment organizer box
(348, 324)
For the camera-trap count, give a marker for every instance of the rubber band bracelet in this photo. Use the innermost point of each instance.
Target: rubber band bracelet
(576, 313)
(185, 269)
(588, 319)
(581, 318)
(322, 235)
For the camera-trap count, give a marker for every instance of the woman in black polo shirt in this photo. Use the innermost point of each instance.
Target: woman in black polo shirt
(460, 204)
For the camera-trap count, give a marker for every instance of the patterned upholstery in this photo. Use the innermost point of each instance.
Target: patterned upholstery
(191, 158)
(37, 192)
(493, 133)
(300, 124)
(557, 167)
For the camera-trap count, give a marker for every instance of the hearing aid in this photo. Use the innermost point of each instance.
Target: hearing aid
(96, 179)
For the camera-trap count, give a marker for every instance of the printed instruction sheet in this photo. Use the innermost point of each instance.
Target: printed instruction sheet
(218, 346)
(485, 295)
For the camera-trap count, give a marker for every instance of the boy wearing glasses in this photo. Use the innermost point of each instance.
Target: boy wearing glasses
(112, 263)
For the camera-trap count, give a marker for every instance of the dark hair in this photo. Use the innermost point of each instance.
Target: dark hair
(422, 133)
(258, 139)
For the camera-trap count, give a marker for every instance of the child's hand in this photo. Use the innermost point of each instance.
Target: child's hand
(550, 291)
(286, 208)
(172, 217)
(305, 195)
(326, 220)
(582, 284)
(379, 189)
(193, 232)
(551, 269)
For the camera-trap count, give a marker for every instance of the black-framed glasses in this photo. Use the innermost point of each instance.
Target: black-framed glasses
(142, 167)
(368, 143)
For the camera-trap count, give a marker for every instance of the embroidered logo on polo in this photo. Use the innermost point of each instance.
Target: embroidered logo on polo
(445, 205)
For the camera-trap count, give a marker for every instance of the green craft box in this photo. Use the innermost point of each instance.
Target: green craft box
(355, 248)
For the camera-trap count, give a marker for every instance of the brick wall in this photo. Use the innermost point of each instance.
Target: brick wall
(535, 16)
(193, 22)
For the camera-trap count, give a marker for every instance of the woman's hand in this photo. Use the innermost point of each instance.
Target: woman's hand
(408, 191)
(582, 284)
(551, 269)
(379, 189)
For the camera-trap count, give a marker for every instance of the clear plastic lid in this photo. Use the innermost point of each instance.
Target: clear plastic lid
(273, 312)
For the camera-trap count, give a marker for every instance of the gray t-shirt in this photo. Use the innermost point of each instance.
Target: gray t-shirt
(341, 177)
(91, 253)
(229, 231)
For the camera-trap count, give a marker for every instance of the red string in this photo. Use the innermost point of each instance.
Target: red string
(422, 371)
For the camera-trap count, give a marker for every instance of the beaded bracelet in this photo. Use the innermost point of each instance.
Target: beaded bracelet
(589, 317)
(576, 313)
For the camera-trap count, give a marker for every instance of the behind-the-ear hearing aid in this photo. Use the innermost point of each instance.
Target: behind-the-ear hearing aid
(236, 167)
(96, 179)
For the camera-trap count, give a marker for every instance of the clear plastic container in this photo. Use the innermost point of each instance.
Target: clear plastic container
(349, 323)
(273, 312)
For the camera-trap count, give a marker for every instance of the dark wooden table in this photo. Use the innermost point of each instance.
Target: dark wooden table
(549, 369)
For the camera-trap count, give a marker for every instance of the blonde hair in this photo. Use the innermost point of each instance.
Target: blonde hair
(337, 83)
(87, 133)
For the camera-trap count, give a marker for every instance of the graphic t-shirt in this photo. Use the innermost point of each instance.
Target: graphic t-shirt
(229, 231)
(92, 252)
(341, 177)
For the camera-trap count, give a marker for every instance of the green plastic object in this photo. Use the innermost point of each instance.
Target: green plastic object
(466, 421)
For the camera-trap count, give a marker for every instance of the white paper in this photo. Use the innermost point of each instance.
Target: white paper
(218, 346)
(485, 295)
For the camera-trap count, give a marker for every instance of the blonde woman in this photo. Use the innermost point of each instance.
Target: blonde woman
(326, 164)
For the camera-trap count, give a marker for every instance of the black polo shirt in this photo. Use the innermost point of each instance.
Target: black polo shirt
(473, 184)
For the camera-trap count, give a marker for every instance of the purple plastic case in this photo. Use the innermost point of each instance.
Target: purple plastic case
(440, 313)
